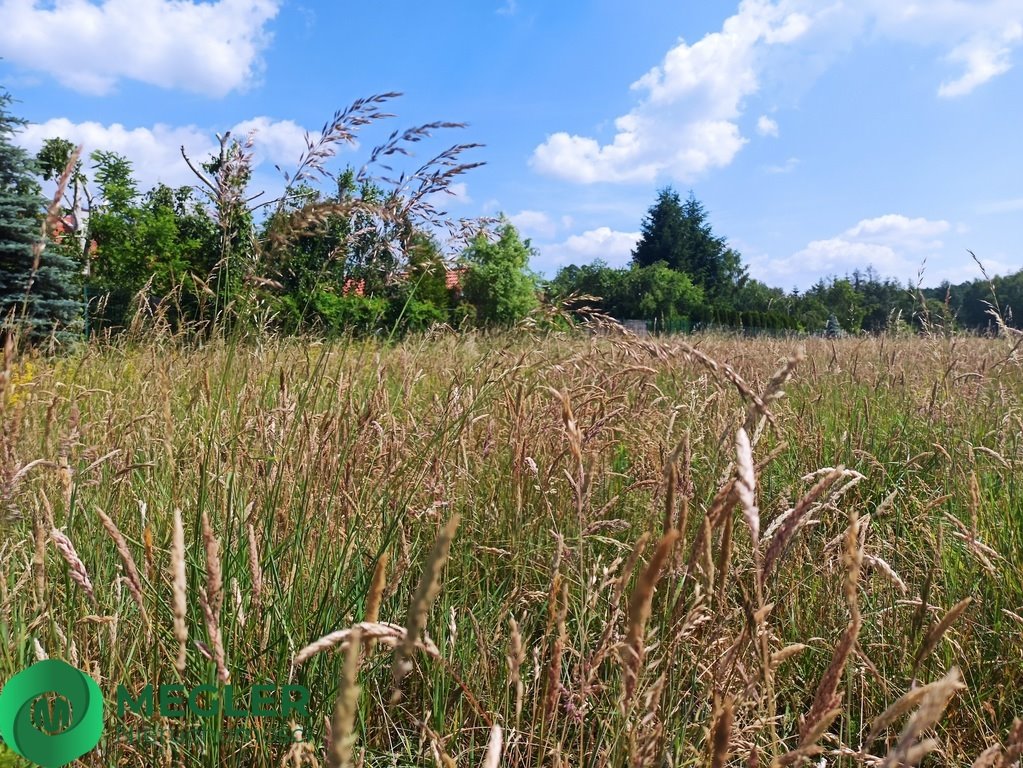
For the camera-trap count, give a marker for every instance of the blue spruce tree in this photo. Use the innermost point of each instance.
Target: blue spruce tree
(38, 286)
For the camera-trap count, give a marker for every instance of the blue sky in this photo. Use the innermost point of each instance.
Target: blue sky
(821, 135)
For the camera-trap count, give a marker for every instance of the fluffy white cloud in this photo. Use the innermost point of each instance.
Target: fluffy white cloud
(982, 58)
(894, 245)
(280, 142)
(767, 127)
(210, 48)
(685, 122)
(612, 246)
(156, 152)
(537, 224)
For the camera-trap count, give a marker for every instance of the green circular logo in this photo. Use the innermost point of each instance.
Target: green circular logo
(51, 714)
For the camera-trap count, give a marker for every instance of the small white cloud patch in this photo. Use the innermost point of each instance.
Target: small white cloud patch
(767, 127)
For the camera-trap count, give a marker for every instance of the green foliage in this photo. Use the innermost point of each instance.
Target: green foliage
(680, 235)
(42, 296)
(659, 292)
(9, 759)
(157, 242)
(498, 282)
(656, 292)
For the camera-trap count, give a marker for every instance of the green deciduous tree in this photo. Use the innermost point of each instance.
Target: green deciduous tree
(498, 282)
(37, 284)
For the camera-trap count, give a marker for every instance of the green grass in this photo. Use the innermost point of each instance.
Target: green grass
(336, 453)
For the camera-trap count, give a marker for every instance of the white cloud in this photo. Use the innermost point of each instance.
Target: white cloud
(983, 58)
(901, 231)
(767, 127)
(460, 192)
(612, 246)
(685, 121)
(281, 142)
(978, 35)
(893, 244)
(534, 224)
(456, 194)
(787, 167)
(156, 152)
(1002, 206)
(210, 48)
(510, 8)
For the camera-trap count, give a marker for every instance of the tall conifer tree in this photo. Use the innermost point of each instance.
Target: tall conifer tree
(37, 289)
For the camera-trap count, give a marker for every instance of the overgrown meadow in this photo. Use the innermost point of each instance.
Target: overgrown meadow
(530, 550)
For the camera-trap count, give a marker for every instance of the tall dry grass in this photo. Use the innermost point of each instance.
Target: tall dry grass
(714, 552)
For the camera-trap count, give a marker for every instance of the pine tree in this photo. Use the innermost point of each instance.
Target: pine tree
(663, 237)
(37, 286)
(680, 235)
(833, 329)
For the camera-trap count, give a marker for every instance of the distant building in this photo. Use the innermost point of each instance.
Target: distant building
(69, 225)
(452, 280)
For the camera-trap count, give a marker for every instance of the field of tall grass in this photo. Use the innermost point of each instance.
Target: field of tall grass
(529, 550)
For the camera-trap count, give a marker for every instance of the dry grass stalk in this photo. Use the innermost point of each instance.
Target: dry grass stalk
(255, 570)
(492, 759)
(786, 653)
(604, 645)
(930, 642)
(781, 537)
(729, 373)
(1014, 747)
(216, 636)
(131, 571)
(852, 555)
(375, 595)
(214, 572)
(552, 695)
(721, 732)
(639, 613)
(670, 481)
(39, 558)
(974, 506)
(179, 585)
(909, 749)
(1008, 756)
(827, 699)
(391, 635)
(773, 391)
(149, 550)
(516, 658)
(646, 739)
(901, 706)
(884, 567)
(426, 593)
(746, 484)
(76, 568)
(342, 732)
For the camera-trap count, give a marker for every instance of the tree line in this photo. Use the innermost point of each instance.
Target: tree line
(684, 276)
(334, 253)
(351, 252)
